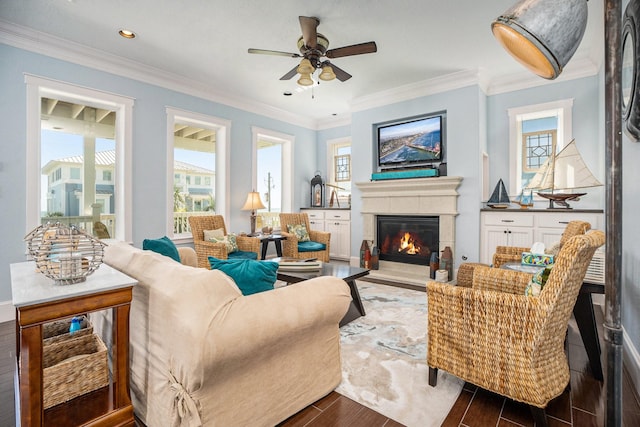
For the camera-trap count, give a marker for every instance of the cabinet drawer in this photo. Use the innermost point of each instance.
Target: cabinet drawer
(338, 215)
(315, 214)
(560, 220)
(506, 220)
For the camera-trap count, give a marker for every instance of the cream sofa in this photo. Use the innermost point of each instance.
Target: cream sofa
(201, 353)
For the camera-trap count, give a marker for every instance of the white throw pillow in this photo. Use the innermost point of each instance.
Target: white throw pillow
(218, 233)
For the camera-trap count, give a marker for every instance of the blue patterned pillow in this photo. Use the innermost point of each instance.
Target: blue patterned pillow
(300, 231)
(229, 240)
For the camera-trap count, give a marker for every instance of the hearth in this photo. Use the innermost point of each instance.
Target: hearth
(407, 239)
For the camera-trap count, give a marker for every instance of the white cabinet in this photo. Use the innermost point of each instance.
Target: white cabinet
(504, 230)
(338, 223)
(524, 227)
(316, 219)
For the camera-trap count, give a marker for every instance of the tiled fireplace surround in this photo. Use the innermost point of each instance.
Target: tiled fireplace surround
(415, 197)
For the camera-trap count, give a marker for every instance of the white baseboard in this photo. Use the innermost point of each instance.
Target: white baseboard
(7, 311)
(631, 360)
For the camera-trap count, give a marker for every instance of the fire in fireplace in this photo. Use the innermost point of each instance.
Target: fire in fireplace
(407, 239)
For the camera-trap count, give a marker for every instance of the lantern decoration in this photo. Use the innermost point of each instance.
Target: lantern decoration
(317, 192)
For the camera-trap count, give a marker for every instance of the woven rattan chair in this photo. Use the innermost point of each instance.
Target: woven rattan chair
(495, 337)
(205, 249)
(505, 254)
(291, 248)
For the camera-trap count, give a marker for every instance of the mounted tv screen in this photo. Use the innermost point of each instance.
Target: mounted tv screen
(411, 143)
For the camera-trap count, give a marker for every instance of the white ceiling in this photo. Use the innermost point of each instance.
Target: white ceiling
(206, 41)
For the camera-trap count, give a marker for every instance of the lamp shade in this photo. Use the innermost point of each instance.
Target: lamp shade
(305, 80)
(305, 67)
(542, 35)
(253, 202)
(327, 73)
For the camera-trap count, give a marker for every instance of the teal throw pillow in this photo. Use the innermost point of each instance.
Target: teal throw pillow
(229, 240)
(163, 246)
(300, 231)
(250, 276)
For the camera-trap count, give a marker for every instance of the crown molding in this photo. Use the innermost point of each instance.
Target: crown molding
(55, 47)
(333, 122)
(576, 69)
(441, 84)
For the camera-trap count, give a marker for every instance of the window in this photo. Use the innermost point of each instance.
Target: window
(61, 174)
(198, 147)
(536, 131)
(106, 176)
(339, 176)
(272, 174)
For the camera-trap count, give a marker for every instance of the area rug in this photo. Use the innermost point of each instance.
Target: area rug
(384, 359)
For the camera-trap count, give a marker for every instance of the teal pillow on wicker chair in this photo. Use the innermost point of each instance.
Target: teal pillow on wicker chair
(311, 246)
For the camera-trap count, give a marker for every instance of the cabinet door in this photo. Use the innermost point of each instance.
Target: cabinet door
(317, 224)
(500, 236)
(340, 238)
(548, 236)
(492, 237)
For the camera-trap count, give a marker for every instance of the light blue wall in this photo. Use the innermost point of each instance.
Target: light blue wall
(465, 137)
(587, 130)
(149, 148)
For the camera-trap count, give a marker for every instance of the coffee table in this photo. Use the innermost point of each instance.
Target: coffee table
(345, 272)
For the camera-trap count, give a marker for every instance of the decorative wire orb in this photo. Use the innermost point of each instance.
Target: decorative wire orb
(63, 253)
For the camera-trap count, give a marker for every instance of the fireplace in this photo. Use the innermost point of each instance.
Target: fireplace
(413, 197)
(407, 239)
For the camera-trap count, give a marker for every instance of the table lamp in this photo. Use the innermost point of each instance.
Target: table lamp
(253, 202)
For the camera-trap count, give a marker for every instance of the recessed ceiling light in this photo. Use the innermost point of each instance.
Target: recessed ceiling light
(127, 34)
(287, 93)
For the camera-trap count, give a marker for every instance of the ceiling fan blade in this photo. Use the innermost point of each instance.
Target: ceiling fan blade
(309, 26)
(275, 52)
(291, 73)
(354, 49)
(341, 74)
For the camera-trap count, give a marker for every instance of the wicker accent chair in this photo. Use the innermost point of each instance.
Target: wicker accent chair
(495, 337)
(505, 254)
(205, 249)
(290, 246)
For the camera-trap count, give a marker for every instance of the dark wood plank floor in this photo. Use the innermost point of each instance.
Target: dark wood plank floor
(583, 405)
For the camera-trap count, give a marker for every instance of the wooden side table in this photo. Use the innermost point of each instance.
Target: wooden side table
(38, 300)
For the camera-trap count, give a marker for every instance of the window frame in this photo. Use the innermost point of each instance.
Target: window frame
(287, 142)
(561, 108)
(222, 167)
(39, 87)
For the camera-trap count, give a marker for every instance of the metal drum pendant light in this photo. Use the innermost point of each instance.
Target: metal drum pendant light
(542, 35)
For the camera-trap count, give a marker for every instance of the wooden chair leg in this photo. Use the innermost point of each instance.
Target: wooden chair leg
(539, 416)
(433, 376)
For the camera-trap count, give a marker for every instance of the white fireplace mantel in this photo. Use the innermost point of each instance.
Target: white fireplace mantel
(418, 196)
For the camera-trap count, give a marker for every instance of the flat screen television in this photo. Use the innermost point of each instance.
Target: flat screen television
(411, 143)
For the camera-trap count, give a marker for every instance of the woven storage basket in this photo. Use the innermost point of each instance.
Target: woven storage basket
(57, 331)
(72, 368)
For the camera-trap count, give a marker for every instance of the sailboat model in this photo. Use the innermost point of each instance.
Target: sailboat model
(564, 171)
(499, 198)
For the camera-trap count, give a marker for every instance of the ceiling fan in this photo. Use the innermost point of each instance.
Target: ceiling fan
(313, 47)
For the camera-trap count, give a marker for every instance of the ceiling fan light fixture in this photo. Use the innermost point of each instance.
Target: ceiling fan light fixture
(327, 73)
(305, 80)
(305, 67)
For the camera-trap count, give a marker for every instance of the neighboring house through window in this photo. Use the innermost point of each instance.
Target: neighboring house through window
(68, 129)
(197, 170)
